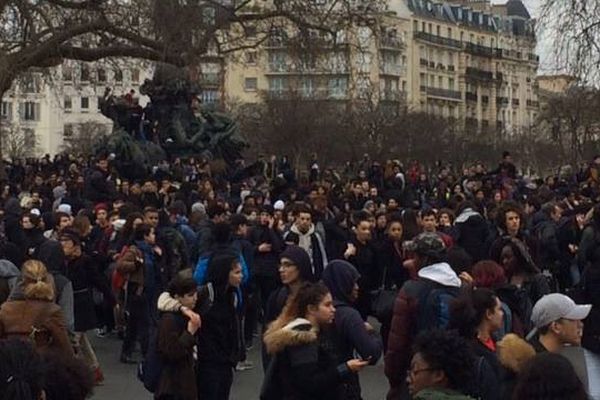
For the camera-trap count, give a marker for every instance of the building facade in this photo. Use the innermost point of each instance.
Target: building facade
(467, 60)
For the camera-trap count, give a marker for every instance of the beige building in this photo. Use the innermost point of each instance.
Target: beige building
(463, 59)
(468, 60)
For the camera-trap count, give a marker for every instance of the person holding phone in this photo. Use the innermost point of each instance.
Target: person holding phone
(351, 336)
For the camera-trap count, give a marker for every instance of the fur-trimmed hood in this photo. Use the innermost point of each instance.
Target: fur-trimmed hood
(513, 352)
(281, 335)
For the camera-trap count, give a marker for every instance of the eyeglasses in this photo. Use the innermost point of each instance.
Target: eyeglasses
(414, 372)
(286, 264)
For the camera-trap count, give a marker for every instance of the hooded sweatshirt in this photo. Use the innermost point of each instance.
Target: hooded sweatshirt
(350, 331)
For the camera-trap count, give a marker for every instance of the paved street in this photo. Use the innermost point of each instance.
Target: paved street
(122, 384)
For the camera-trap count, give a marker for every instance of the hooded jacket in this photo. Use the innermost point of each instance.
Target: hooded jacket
(472, 234)
(350, 333)
(305, 370)
(513, 353)
(404, 320)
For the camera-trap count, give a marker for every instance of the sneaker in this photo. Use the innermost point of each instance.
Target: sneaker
(244, 365)
(98, 377)
(101, 333)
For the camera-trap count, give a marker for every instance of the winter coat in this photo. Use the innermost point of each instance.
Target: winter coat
(390, 261)
(472, 234)
(313, 244)
(266, 263)
(404, 321)
(305, 370)
(349, 333)
(176, 349)
(513, 352)
(487, 372)
(97, 188)
(19, 317)
(9, 275)
(85, 276)
(545, 230)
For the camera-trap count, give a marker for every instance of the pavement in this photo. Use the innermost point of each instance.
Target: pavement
(121, 382)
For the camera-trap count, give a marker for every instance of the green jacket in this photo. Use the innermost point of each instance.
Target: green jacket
(440, 394)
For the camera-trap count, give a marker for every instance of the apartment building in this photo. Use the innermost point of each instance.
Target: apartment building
(468, 60)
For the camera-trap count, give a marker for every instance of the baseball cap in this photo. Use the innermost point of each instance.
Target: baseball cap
(555, 306)
(427, 243)
(66, 208)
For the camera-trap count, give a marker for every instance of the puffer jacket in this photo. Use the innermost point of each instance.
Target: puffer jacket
(404, 321)
(305, 370)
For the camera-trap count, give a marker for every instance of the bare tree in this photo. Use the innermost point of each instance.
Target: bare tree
(80, 139)
(573, 26)
(18, 142)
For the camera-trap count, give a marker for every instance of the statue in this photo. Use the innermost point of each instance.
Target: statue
(172, 125)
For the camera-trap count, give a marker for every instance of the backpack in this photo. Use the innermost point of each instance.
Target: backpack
(150, 370)
(118, 279)
(434, 307)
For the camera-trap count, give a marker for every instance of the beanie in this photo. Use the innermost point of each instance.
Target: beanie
(301, 259)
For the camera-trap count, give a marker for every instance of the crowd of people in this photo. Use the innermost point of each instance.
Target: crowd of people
(467, 284)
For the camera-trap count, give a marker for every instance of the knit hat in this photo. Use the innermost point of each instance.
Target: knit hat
(66, 208)
(301, 260)
(427, 244)
(340, 276)
(100, 206)
(279, 205)
(199, 208)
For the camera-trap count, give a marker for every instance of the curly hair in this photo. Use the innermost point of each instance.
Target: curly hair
(549, 376)
(448, 352)
(467, 312)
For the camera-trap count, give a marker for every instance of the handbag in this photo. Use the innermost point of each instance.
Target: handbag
(382, 301)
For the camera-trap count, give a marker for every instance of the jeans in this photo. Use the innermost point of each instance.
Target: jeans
(214, 381)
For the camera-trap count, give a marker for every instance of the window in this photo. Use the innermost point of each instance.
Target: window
(135, 75)
(338, 87)
(68, 131)
(451, 83)
(449, 33)
(404, 86)
(68, 103)
(30, 84)
(251, 57)
(101, 72)
(415, 26)
(277, 62)
(209, 16)
(29, 111)
(437, 30)
(209, 96)
(85, 104)
(307, 87)
(440, 82)
(277, 85)
(99, 101)
(118, 75)
(250, 84)
(6, 111)
(85, 73)
(67, 74)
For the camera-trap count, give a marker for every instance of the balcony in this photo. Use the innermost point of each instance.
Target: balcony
(515, 102)
(210, 79)
(499, 125)
(391, 69)
(478, 50)
(423, 88)
(393, 96)
(469, 96)
(428, 37)
(431, 64)
(391, 43)
(471, 122)
(533, 57)
(444, 93)
(502, 100)
(533, 103)
(477, 73)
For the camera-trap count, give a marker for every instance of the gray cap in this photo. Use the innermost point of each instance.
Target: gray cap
(555, 306)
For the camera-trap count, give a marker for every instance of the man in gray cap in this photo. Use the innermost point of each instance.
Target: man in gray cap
(558, 321)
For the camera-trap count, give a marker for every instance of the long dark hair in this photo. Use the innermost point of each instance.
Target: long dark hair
(467, 312)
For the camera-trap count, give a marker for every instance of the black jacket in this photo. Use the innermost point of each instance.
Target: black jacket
(266, 264)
